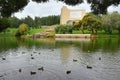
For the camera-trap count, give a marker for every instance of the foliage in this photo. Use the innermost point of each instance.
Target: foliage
(90, 22)
(64, 29)
(23, 28)
(7, 7)
(4, 23)
(50, 20)
(77, 25)
(28, 20)
(111, 22)
(14, 22)
(10, 6)
(118, 26)
(35, 23)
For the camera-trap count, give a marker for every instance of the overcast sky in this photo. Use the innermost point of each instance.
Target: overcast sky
(53, 8)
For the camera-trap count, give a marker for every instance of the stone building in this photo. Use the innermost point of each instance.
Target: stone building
(69, 16)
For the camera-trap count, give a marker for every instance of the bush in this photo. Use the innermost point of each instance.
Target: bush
(64, 29)
(23, 28)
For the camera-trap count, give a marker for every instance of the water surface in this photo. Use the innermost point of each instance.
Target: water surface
(50, 59)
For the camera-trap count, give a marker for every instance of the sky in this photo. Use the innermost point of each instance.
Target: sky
(53, 7)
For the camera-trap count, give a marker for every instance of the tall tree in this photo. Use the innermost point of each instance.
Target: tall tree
(4, 23)
(15, 22)
(37, 22)
(110, 22)
(29, 21)
(92, 22)
(7, 7)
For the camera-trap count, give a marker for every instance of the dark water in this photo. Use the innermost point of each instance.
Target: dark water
(50, 59)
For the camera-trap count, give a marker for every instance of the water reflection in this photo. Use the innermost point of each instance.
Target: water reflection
(50, 59)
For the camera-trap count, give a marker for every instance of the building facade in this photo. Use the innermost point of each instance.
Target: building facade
(69, 16)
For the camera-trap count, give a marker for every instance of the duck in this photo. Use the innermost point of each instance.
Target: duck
(74, 60)
(31, 54)
(23, 52)
(32, 73)
(32, 58)
(1, 75)
(42, 69)
(20, 70)
(3, 58)
(99, 58)
(68, 72)
(89, 67)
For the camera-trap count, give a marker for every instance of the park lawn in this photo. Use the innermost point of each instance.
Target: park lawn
(8, 32)
(100, 34)
(39, 30)
(12, 31)
(80, 32)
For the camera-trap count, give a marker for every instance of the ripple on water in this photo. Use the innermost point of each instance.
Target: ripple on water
(25, 74)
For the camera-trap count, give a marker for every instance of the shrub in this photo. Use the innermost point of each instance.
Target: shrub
(64, 29)
(23, 28)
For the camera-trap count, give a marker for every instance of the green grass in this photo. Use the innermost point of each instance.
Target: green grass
(33, 31)
(12, 31)
(100, 34)
(80, 32)
(52, 34)
(8, 32)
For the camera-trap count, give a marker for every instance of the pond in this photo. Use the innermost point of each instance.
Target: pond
(59, 59)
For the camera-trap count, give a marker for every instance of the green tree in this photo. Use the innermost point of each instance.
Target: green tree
(4, 23)
(110, 22)
(117, 24)
(29, 21)
(91, 22)
(10, 6)
(37, 22)
(23, 28)
(15, 22)
(77, 25)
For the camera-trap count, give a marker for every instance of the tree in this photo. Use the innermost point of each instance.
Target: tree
(118, 26)
(77, 25)
(110, 22)
(15, 22)
(23, 28)
(37, 22)
(10, 6)
(91, 22)
(50, 20)
(4, 23)
(29, 21)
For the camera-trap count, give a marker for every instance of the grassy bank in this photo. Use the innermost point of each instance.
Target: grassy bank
(12, 31)
(39, 30)
(101, 34)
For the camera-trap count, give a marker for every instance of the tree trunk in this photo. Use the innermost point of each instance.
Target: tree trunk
(92, 31)
(95, 31)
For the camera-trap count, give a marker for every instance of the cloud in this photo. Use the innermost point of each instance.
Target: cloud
(114, 8)
(44, 9)
(52, 8)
